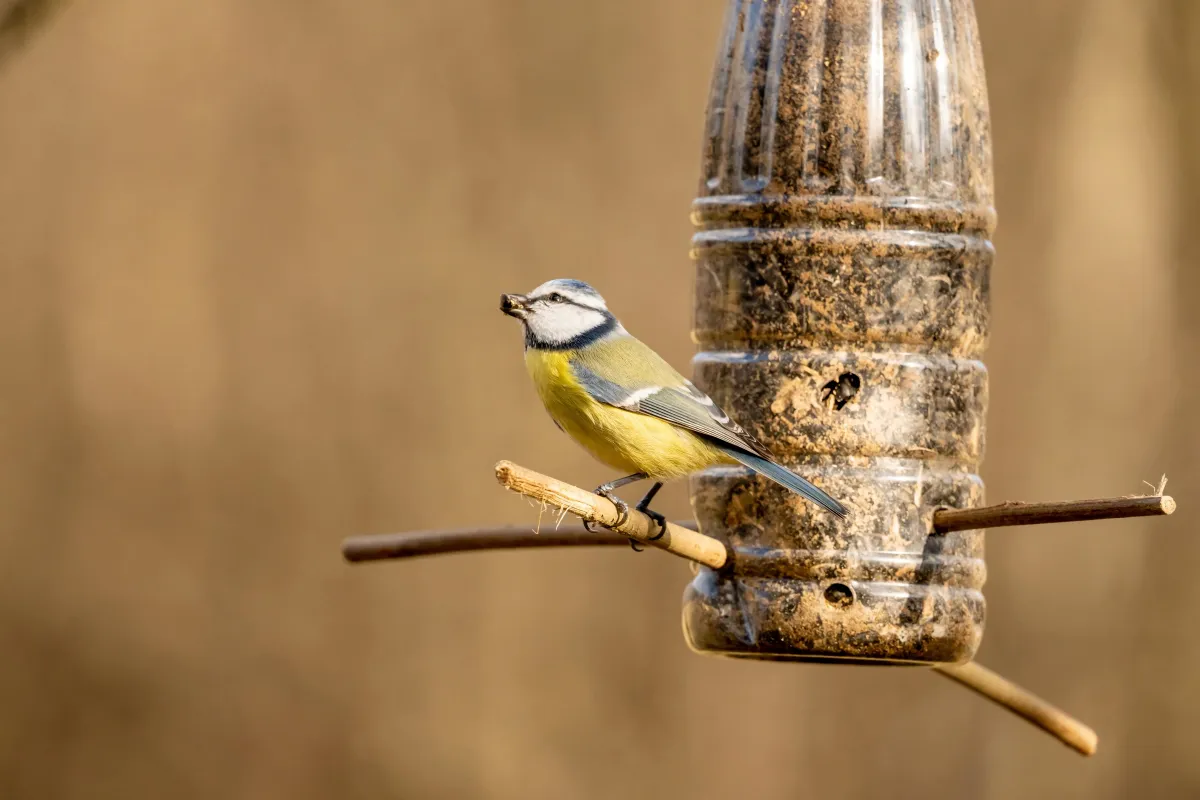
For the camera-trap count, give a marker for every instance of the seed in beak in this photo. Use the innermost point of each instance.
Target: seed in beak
(513, 304)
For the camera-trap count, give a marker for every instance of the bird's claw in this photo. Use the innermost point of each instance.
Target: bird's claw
(622, 510)
(605, 490)
(657, 517)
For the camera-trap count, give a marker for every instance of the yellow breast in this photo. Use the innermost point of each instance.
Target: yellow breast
(624, 440)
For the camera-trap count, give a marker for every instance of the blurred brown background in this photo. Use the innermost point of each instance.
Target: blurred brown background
(249, 261)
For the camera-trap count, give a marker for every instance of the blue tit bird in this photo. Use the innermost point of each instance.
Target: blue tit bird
(627, 406)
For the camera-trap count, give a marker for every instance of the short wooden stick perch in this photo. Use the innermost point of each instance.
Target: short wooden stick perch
(681, 541)
(1057, 723)
(1006, 514)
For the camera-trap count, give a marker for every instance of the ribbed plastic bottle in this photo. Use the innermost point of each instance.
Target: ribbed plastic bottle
(842, 258)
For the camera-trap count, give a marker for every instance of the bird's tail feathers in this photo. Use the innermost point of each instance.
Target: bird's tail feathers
(785, 477)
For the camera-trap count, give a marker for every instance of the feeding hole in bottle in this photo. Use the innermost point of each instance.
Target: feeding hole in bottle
(842, 390)
(839, 595)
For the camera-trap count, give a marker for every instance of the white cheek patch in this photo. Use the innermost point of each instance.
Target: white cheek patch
(561, 322)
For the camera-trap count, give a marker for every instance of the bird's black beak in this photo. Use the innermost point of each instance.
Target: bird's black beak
(515, 305)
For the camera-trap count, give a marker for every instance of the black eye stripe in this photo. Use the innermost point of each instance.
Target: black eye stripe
(555, 297)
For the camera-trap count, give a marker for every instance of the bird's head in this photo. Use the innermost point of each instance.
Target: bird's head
(561, 314)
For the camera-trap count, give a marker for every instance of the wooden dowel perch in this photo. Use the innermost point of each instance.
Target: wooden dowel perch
(1057, 723)
(677, 539)
(1006, 514)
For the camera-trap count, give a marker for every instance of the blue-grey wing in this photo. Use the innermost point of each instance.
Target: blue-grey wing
(646, 384)
(683, 405)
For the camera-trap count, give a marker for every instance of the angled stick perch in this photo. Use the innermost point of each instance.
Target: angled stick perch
(678, 540)
(1003, 692)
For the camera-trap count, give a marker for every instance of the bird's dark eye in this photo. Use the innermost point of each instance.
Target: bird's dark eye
(555, 297)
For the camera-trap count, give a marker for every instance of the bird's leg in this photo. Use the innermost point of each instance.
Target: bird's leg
(644, 507)
(606, 490)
